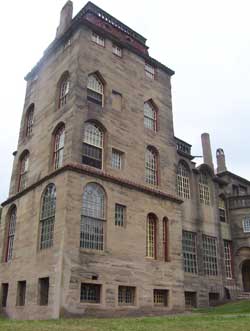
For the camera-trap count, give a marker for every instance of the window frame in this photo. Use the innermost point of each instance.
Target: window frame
(29, 121)
(228, 258)
(114, 50)
(11, 231)
(222, 210)
(63, 91)
(151, 166)
(97, 39)
(151, 236)
(183, 181)
(189, 251)
(204, 189)
(58, 149)
(94, 286)
(210, 260)
(123, 295)
(117, 164)
(150, 71)
(95, 89)
(23, 170)
(246, 224)
(120, 215)
(149, 106)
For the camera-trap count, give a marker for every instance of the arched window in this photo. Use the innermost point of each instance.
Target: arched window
(47, 218)
(95, 90)
(151, 170)
(93, 217)
(151, 236)
(29, 121)
(63, 90)
(222, 209)
(165, 237)
(92, 146)
(59, 147)
(150, 114)
(204, 189)
(182, 181)
(10, 234)
(23, 171)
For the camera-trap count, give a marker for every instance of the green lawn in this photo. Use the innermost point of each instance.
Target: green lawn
(235, 316)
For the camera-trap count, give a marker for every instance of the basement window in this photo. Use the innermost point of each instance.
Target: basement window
(90, 293)
(161, 298)
(126, 295)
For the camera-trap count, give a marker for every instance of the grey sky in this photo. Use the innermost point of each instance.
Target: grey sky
(206, 42)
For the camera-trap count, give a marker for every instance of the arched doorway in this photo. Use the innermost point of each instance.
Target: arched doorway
(245, 269)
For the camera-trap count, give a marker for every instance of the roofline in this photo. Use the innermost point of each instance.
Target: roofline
(229, 173)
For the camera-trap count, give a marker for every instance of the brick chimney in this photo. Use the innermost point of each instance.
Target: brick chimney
(221, 161)
(206, 147)
(65, 18)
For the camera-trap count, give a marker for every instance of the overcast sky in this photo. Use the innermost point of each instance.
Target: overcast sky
(206, 43)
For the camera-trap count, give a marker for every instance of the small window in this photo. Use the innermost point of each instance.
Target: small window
(4, 294)
(116, 101)
(21, 293)
(92, 146)
(98, 39)
(95, 90)
(29, 121)
(126, 295)
(151, 169)
(149, 71)
(117, 50)
(190, 300)
(150, 115)
(222, 210)
(161, 298)
(43, 291)
(23, 171)
(120, 214)
(117, 158)
(59, 147)
(90, 293)
(63, 91)
(213, 298)
(246, 225)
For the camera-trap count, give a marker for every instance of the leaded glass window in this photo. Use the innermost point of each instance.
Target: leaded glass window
(204, 189)
(149, 116)
(126, 295)
(92, 146)
(47, 218)
(151, 166)
(189, 250)
(63, 91)
(59, 147)
(93, 217)
(95, 90)
(228, 258)
(151, 236)
(24, 166)
(210, 255)
(11, 234)
(182, 181)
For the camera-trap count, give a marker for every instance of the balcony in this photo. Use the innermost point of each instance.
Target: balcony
(241, 201)
(183, 148)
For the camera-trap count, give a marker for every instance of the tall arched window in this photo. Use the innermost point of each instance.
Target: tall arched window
(151, 236)
(204, 188)
(222, 209)
(63, 90)
(47, 218)
(95, 89)
(165, 237)
(92, 146)
(93, 217)
(151, 170)
(150, 114)
(10, 234)
(182, 181)
(29, 121)
(23, 171)
(58, 147)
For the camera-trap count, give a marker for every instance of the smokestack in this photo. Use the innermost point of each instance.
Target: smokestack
(65, 18)
(206, 147)
(221, 161)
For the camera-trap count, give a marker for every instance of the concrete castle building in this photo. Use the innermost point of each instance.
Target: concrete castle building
(107, 212)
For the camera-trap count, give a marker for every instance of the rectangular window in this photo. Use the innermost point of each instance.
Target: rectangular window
(189, 251)
(190, 300)
(117, 157)
(149, 71)
(21, 293)
(228, 258)
(161, 297)
(117, 50)
(204, 194)
(91, 233)
(92, 156)
(246, 225)
(242, 190)
(90, 293)
(210, 255)
(98, 39)
(126, 295)
(4, 294)
(43, 298)
(116, 100)
(120, 214)
(213, 298)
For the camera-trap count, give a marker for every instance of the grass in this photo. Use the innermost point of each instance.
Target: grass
(229, 317)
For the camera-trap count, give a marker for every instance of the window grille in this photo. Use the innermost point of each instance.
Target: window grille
(246, 224)
(126, 295)
(120, 213)
(190, 300)
(222, 210)
(92, 217)
(92, 146)
(149, 71)
(149, 116)
(210, 255)
(183, 185)
(98, 39)
(151, 237)
(151, 167)
(116, 161)
(11, 234)
(204, 189)
(228, 258)
(63, 92)
(117, 50)
(47, 219)
(90, 293)
(59, 147)
(189, 252)
(29, 121)
(160, 297)
(24, 166)
(95, 90)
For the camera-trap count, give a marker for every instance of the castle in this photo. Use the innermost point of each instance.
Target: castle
(107, 212)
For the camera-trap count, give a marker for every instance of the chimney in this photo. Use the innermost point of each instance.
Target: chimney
(221, 161)
(65, 18)
(206, 147)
